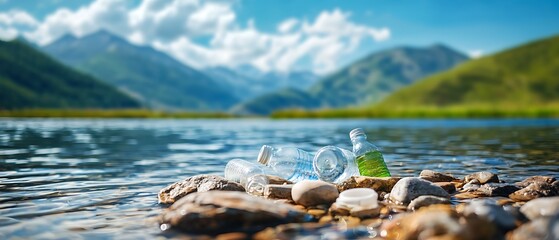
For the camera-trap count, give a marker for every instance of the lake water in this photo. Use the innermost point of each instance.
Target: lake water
(72, 179)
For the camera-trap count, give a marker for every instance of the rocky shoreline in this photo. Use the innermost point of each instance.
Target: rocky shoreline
(431, 206)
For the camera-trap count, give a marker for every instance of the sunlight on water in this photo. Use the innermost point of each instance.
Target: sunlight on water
(99, 178)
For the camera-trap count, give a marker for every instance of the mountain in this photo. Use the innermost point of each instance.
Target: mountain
(247, 82)
(369, 79)
(522, 77)
(152, 76)
(284, 98)
(377, 75)
(31, 79)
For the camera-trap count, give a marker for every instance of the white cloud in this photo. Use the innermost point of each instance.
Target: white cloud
(477, 53)
(12, 21)
(173, 26)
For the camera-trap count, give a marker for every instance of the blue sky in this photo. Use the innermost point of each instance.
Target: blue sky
(286, 35)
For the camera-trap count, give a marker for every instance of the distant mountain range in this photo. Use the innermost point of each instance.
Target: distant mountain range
(522, 77)
(155, 78)
(31, 79)
(366, 81)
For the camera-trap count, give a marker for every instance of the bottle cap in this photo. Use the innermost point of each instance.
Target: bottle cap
(356, 132)
(265, 154)
(358, 197)
(329, 163)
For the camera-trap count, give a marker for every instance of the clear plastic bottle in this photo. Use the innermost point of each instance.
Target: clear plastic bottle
(290, 163)
(369, 159)
(334, 164)
(248, 174)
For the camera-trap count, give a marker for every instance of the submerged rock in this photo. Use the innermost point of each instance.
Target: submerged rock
(424, 201)
(482, 177)
(379, 184)
(314, 192)
(409, 188)
(541, 207)
(198, 183)
(535, 190)
(433, 176)
(217, 212)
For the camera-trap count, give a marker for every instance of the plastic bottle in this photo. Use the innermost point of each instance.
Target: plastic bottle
(334, 164)
(368, 157)
(248, 174)
(290, 163)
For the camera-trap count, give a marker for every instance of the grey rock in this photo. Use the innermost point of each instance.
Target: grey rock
(534, 179)
(198, 183)
(471, 186)
(542, 228)
(379, 184)
(314, 192)
(535, 190)
(449, 187)
(492, 212)
(423, 201)
(497, 189)
(275, 191)
(482, 177)
(217, 212)
(433, 176)
(541, 207)
(410, 188)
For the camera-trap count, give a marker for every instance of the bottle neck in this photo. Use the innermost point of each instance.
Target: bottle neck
(358, 139)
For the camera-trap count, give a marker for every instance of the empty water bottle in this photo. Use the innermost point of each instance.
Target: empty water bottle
(369, 159)
(334, 164)
(290, 163)
(248, 174)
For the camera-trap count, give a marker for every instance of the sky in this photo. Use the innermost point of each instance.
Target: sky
(286, 35)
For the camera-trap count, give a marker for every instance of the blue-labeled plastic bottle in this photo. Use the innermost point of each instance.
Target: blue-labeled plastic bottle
(291, 163)
(369, 159)
(334, 164)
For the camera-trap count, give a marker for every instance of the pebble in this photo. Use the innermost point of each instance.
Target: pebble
(216, 212)
(449, 187)
(314, 192)
(423, 201)
(433, 176)
(542, 228)
(410, 188)
(541, 207)
(336, 210)
(379, 184)
(490, 211)
(198, 183)
(482, 177)
(232, 236)
(534, 179)
(317, 213)
(497, 189)
(277, 191)
(533, 191)
(362, 213)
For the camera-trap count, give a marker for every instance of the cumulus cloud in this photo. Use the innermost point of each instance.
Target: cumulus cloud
(173, 27)
(477, 53)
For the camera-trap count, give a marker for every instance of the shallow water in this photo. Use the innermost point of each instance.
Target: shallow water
(72, 179)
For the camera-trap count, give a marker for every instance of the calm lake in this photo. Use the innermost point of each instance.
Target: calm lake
(72, 179)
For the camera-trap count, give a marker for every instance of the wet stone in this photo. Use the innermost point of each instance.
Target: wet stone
(490, 211)
(379, 184)
(542, 228)
(533, 191)
(423, 201)
(482, 177)
(497, 189)
(314, 192)
(541, 207)
(311, 231)
(471, 186)
(198, 183)
(362, 213)
(232, 236)
(449, 187)
(217, 212)
(535, 179)
(276, 191)
(410, 188)
(336, 210)
(433, 176)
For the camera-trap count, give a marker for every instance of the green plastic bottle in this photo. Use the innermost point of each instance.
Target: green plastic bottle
(368, 157)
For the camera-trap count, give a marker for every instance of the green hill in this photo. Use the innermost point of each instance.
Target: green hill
(31, 79)
(523, 77)
(284, 98)
(152, 76)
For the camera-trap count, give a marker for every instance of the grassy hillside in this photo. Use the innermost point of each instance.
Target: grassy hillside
(31, 79)
(152, 76)
(285, 98)
(523, 77)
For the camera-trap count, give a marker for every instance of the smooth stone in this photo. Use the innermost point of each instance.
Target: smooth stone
(469, 195)
(533, 191)
(336, 210)
(276, 191)
(541, 207)
(314, 192)
(433, 176)
(316, 212)
(471, 186)
(198, 183)
(232, 236)
(533, 179)
(449, 187)
(423, 201)
(379, 184)
(311, 231)
(410, 188)
(492, 212)
(482, 177)
(362, 213)
(497, 189)
(216, 212)
(542, 228)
